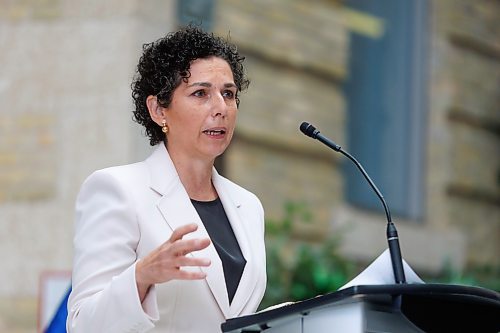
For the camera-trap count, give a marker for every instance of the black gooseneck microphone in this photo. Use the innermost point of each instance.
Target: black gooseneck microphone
(392, 234)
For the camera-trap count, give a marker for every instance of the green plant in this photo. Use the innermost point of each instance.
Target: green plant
(298, 269)
(486, 276)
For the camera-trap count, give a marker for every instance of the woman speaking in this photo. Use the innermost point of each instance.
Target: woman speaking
(167, 244)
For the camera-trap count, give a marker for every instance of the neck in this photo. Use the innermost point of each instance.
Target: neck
(195, 176)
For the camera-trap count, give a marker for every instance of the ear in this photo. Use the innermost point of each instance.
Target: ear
(156, 111)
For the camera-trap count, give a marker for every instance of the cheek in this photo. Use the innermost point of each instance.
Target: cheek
(233, 114)
(231, 122)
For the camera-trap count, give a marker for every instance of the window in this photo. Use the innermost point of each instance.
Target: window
(198, 12)
(386, 109)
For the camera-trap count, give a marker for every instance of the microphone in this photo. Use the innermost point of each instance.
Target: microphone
(392, 234)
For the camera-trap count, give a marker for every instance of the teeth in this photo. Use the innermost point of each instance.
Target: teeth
(214, 132)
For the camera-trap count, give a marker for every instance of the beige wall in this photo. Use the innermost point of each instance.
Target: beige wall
(64, 112)
(463, 183)
(297, 59)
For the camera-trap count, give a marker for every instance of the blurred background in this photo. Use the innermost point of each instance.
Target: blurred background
(411, 88)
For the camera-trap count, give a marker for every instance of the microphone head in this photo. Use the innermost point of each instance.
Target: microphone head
(308, 129)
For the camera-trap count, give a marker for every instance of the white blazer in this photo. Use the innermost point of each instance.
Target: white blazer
(123, 213)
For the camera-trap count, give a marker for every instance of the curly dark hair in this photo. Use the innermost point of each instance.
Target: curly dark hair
(165, 62)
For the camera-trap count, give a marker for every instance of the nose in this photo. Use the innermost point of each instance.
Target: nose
(219, 106)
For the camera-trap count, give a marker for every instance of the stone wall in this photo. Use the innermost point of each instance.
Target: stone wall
(64, 112)
(297, 56)
(464, 126)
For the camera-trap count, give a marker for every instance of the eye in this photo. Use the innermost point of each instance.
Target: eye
(199, 93)
(229, 94)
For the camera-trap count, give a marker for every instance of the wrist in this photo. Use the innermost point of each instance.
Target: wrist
(142, 286)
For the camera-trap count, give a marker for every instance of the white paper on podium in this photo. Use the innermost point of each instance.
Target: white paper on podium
(380, 272)
(377, 273)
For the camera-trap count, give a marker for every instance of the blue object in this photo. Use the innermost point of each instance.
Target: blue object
(58, 322)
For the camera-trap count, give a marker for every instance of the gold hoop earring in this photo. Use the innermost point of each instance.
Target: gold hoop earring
(164, 127)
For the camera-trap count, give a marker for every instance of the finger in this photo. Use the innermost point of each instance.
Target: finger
(190, 261)
(189, 275)
(182, 231)
(183, 247)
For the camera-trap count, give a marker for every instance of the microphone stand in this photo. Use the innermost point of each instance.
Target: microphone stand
(391, 232)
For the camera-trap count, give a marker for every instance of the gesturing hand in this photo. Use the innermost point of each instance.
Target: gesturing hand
(166, 261)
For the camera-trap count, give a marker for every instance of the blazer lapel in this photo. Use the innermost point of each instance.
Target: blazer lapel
(176, 208)
(248, 281)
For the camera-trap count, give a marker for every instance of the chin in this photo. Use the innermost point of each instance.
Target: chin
(215, 153)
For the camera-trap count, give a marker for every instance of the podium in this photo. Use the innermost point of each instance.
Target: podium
(397, 308)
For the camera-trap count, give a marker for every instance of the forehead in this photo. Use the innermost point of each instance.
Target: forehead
(210, 67)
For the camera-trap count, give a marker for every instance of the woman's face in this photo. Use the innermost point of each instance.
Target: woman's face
(202, 114)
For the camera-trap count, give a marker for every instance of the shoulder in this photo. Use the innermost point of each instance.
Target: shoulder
(122, 174)
(118, 182)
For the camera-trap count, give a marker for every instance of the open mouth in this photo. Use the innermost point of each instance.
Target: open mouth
(214, 132)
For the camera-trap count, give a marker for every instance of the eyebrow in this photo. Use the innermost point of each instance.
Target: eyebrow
(208, 85)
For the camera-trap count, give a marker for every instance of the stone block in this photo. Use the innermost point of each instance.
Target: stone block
(280, 99)
(30, 9)
(289, 31)
(474, 19)
(476, 84)
(18, 315)
(28, 166)
(480, 223)
(425, 247)
(279, 176)
(475, 159)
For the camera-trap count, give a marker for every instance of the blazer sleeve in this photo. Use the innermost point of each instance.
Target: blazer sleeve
(104, 297)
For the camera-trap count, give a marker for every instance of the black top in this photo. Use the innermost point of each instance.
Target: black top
(221, 233)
